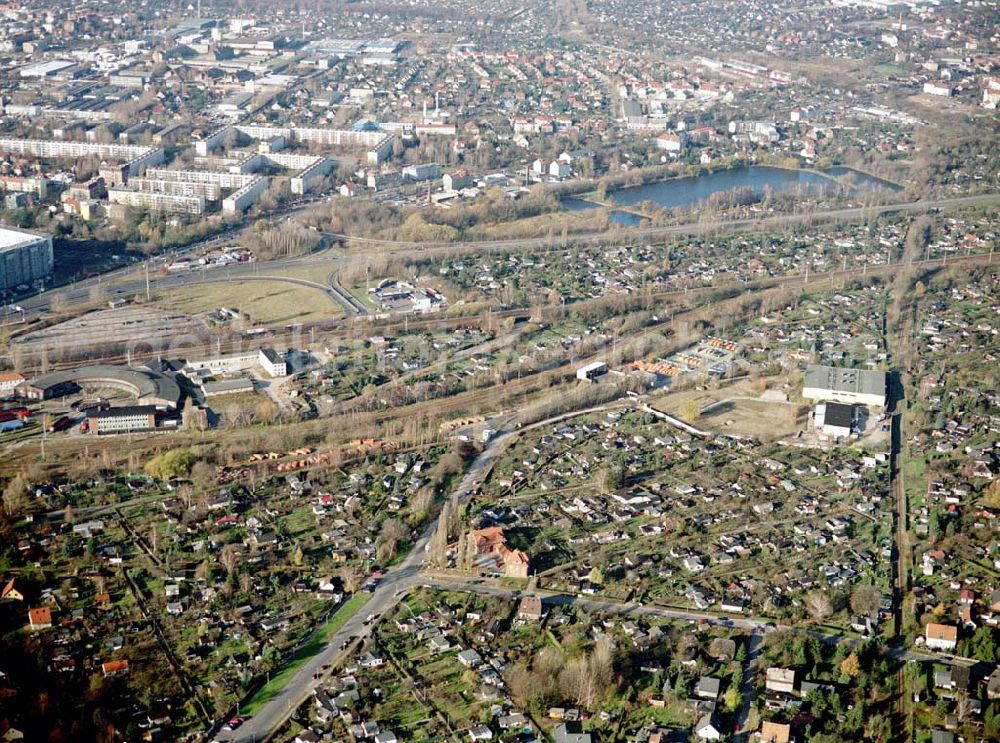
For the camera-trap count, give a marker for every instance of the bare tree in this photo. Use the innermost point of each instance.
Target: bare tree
(866, 599)
(963, 707)
(266, 411)
(438, 551)
(186, 493)
(202, 474)
(15, 495)
(350, 577)
(602, 663)
(393, 531)
(818, 604)
(203, 572)
(573, 680)
(469, 552)
(229, 558)
(420, 505)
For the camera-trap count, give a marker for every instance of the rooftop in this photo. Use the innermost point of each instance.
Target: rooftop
(125, 411)
(839, 414)
(860, 381)
(12, 238)
(143, 383)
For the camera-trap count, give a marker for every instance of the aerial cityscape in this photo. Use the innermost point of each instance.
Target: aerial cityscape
(556, 371)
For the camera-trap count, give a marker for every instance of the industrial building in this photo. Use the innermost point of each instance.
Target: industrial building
(835, 419)
(227, 387)
(24, 257)
(273, 362)
(422, 172)
(8, 381)
(123, 420)
(150, 388)
(837, 384)
(591, 371)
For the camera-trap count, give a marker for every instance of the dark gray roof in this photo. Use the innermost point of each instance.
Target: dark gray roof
(227, 385)
(126, 410)
(273, 356)
(570, 733)
(839, 414)
(147, 385)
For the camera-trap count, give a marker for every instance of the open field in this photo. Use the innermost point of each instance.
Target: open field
(709, 394)
(317, 272)
(761, 419)
(266, 302)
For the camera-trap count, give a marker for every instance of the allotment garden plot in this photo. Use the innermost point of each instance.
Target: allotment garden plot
(620, 505)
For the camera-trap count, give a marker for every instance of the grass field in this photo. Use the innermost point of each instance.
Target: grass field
(318, 272)
(266, 302)
(303, 654)
(889, 70)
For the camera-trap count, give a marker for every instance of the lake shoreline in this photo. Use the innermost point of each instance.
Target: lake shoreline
(688, 191)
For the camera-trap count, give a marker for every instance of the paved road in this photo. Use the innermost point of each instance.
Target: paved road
(394, 583)
(408, 573)
(633, 609)
(131, 280)
(351, 305)
(748, 690)
(79, 292)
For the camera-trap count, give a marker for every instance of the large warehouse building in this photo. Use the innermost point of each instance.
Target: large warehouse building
(837, 384)
(24, 257)
(147, 386)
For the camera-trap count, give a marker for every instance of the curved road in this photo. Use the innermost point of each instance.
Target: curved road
(408, 573)
(396, 581)
(79, 292)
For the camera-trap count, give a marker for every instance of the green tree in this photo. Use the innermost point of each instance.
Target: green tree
(270, 656)
(818, 704)
(690, 410)
(800, 653)
(731, 699)
(991, 722)
(855, 718)
(982, 645)
(613, 478)
(171, 464)
(681, 687)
